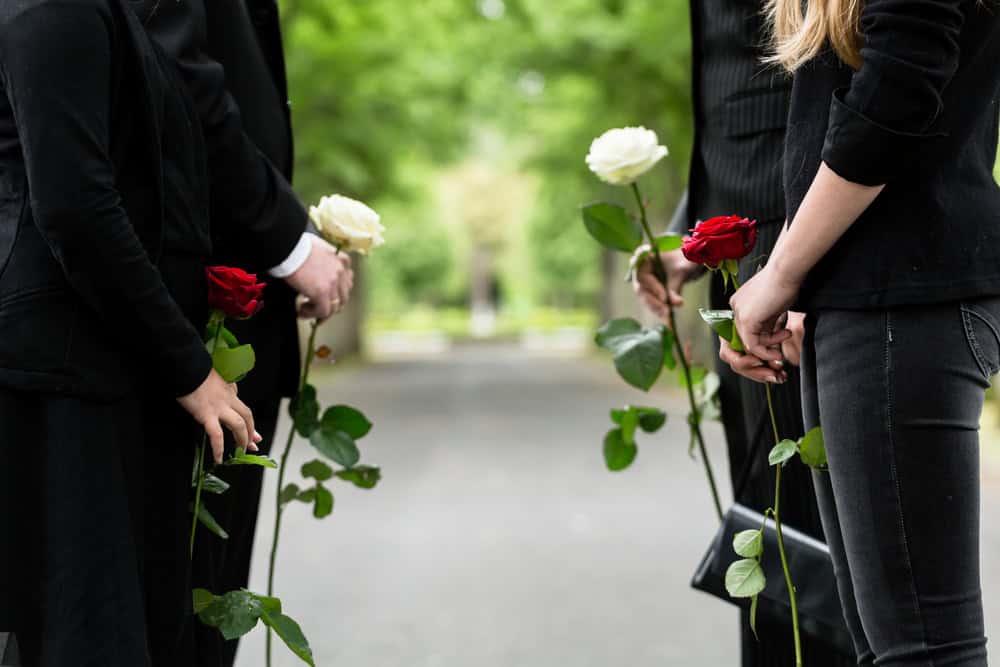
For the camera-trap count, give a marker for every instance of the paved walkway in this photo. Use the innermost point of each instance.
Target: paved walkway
(497, 538)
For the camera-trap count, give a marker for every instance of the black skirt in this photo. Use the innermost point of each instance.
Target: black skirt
(70, 582)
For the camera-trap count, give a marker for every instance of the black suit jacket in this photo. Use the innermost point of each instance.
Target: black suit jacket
(740, 110)
(230, 54)
(82, 304)
(245, 37)
(263, 218)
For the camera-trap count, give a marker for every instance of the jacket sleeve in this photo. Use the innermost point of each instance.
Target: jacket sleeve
(878, 124)
(679, 223)
(57, 61)
(264, 219)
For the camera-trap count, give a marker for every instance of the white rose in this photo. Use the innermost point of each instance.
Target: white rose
(347, 223)
(622, 155)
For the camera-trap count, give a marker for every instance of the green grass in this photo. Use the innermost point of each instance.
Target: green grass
(455, 322)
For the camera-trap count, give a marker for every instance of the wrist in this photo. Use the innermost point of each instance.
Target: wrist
(295, 260)
(786, 270)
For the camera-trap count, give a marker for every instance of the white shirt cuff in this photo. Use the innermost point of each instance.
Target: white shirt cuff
(295, 259)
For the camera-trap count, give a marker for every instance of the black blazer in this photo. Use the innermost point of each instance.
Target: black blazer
(82, 304)
(230, 53)
(921, 116)
(263, 218)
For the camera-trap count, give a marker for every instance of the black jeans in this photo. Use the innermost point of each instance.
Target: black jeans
(899, 394)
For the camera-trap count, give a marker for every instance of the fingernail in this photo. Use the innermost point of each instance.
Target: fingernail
(253, 448)
(772, 379)
(257, 437)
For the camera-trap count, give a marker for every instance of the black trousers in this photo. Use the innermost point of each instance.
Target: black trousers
(899, 394)
(69, 574)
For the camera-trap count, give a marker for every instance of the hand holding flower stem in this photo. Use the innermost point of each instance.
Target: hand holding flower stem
(660, 271)
(200, 455)
(348, 226)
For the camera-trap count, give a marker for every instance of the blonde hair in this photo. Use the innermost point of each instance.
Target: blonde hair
(797, 37)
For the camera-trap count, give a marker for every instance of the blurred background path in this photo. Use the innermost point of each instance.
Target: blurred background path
(497, 538)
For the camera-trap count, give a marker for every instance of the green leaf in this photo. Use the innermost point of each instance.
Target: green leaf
(614, 329)
(649, 420)
(323, 502)
(304, 411)
(233, 363)
(363, 477)
(669, 360)
(782, 451)
(698, 375)
(721, 322)
(308, 496)
(336, 446)
(618, 454)
(291, 634)
(630, 422)
(705, 397)
(638, 353)
(267, 605)
(668, 242)
(201, 598)
(234, 614)
(611, 226)
(241, 458)
(812, 449)
(288, 494)
(745, 578)
(206, 519)
(347, 419)
(749, 543)
(317, 470)
(212, 484)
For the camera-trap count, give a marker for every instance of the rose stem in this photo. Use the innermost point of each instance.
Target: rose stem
(695, 422)
(200, 460)
(781, 541)
(303, 380)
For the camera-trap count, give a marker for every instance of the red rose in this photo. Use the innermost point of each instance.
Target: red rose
(234, 292)
(717, 239)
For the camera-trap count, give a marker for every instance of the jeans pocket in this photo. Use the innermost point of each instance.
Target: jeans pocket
(981, 320)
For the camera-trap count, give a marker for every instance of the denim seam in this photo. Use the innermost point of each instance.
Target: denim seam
(984, 366)
(895, 480)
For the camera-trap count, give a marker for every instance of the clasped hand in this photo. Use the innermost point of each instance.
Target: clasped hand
(770, 333)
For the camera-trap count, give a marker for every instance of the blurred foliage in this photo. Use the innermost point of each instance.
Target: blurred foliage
(392, 101)
(465, 123)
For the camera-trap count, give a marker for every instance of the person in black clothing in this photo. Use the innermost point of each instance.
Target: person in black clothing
(242, 38)
(229, 55)
(892, 249)
(104, 237)
(741, 106)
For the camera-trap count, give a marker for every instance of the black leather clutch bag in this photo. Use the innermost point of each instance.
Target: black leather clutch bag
(820, 615)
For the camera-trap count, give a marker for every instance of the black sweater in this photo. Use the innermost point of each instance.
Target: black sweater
(920, 116)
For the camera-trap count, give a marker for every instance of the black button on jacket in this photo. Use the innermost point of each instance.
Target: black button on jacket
(920, 116)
